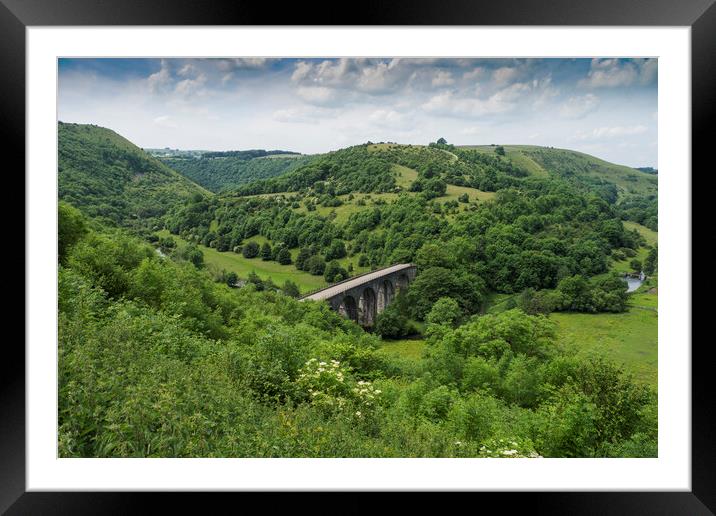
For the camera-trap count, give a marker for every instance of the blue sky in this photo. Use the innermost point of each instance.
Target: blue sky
(606, 107)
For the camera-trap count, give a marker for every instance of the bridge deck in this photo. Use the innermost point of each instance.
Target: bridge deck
(348, 284)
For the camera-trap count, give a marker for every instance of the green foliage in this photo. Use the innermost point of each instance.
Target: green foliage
(225, 172)
(392, 323)
(316, 265)
(445, 311)
(71, 227)
(250, 250)
(651, 261)
(353, 169)
(437, 282)
(290, 289)
(334, 272)
(266, 252)
(159, 357)
(605, 294)
(107, 177)
(284, 256)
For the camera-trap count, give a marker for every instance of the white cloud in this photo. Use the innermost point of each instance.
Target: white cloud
(579, 106)
(316, 95)
(472, 130)
(391, 119)
(606, 133)
(235, 104)
(612, 73)
(191, 87)
(477, 73)
(159, 81)
(303, 114)
(242, 62)
(443, 79)
(504, 75)
(165, 121)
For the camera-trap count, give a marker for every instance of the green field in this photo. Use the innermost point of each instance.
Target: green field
(404, 178)
(549, 160)
(628, 338)
(406, 348)
(278, 273)
(649, 235)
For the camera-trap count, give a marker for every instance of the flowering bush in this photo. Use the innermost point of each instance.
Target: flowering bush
(508, 449)
(331, 386)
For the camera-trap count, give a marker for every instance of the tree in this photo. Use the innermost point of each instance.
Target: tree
(635, 265)
(464, 198)
(191, 253)
(231, 278)
(392, 324)
(250, 250)
(70, 228)
(290, 289)
(284, 256)
(266, 252)
(255, 280)
(500, 150)
(316, 265)
(444, 311)
(442, 141)
(336, 250)
(536, 302)
(436, 282)
(334, 272)
(651, 261)
(303, 255)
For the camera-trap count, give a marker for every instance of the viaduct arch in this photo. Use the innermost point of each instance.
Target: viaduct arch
(363, 297)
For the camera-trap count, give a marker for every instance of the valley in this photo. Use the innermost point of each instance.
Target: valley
(517, 313)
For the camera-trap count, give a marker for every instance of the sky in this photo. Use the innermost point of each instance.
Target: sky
(604, 107)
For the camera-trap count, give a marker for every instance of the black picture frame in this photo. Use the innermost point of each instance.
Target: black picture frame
(700, 15)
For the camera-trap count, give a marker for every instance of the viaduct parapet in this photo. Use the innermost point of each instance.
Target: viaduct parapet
(363, 297)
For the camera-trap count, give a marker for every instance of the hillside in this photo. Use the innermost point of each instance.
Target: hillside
(577, 167)
(224, 172)
(110, 178)
(517, 319)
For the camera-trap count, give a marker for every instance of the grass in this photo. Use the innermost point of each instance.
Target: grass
(411, 349)
(628, 338)
(278, 273)
(651, 236)
(453, 192)
(404, 176)
(549, 160)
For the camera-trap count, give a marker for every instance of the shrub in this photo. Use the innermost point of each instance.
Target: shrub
(250, 250)
(284, 256)
(444, 311)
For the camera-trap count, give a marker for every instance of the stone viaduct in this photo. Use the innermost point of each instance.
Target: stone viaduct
(362, 297)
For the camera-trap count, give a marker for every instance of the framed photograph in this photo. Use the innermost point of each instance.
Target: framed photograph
(420, 252)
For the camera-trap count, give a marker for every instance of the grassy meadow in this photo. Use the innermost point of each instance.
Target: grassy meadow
(278, 273)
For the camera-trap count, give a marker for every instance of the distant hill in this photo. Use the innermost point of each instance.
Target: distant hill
(106, 176)
(219, 171)
(369, 168)
(577, 167)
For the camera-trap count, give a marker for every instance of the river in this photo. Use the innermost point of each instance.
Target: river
(633, 283)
